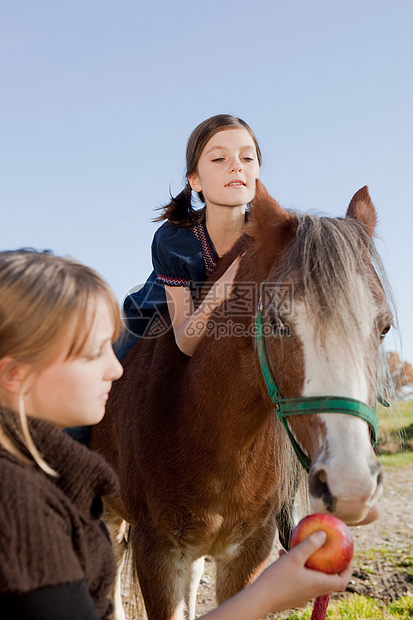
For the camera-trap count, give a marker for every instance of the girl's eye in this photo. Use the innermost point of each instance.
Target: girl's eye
(218, 159)
(94, 356)
(248, 159)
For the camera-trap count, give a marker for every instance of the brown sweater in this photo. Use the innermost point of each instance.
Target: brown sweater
(50, 528)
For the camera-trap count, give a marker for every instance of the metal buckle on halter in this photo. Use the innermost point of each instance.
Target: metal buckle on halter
(383, 402)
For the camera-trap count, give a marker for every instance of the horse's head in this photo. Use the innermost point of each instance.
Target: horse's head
(324, 314)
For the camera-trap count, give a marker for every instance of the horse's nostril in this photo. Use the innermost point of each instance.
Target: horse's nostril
(380, 478)
(318, 486)
(317, 482)
(377, 470)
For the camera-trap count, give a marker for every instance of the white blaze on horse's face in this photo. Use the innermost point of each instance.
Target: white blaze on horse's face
(345, 476)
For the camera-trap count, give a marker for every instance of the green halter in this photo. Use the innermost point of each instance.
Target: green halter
(303, 406)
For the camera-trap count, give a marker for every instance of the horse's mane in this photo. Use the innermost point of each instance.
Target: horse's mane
(328, 254)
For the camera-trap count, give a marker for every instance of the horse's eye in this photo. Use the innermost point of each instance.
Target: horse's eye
(385, 331)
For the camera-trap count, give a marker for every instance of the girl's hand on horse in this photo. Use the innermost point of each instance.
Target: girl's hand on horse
(225, 283)
(189, 325)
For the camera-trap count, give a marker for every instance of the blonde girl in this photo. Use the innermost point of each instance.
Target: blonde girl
(58, 319)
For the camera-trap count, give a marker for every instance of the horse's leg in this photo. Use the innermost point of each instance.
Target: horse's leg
(162, 572)
(236, 573)
(117, 528)
(118, 611)
(196, 572)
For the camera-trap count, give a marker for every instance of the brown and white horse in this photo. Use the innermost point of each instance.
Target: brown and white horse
(205, 466)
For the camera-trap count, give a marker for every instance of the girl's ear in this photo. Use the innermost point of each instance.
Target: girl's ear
(194, 182)
(12, 375)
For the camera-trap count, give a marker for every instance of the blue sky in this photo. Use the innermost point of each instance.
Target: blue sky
(98, 99)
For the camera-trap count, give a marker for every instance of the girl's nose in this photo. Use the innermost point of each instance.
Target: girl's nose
(114, 368)
(235, 165)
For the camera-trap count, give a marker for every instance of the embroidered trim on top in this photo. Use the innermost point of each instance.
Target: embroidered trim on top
(172, 281)
(199, 232)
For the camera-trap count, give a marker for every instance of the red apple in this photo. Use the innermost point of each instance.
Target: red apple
(337, 551)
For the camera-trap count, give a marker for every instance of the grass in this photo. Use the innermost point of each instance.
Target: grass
(401, 413)
(399, 559)
(396, 429)
(357, 607)
(397, 459)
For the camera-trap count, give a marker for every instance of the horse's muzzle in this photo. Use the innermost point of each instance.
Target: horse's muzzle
(354, 502)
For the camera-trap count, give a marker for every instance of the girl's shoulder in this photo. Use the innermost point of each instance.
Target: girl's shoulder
(22, 486)
(33, 523)
(176, 241)
(17, 468)
(173, 234)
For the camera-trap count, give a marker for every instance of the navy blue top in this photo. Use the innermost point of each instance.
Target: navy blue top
(180, 257)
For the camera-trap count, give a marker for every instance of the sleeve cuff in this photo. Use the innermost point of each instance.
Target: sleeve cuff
(171, 281)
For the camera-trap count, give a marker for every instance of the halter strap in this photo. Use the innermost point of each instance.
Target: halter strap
(286, 407)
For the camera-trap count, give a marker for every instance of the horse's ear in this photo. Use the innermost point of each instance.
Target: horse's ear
(362, 209)
(271, 225)
(266, 212)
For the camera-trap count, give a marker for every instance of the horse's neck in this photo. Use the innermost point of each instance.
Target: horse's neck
(228, 389)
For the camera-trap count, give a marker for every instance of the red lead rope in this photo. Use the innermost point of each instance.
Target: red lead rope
(320, 607)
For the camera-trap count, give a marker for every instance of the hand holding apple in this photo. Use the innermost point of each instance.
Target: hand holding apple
(336, 553)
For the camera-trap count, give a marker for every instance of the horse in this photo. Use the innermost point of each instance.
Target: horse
(201, 444)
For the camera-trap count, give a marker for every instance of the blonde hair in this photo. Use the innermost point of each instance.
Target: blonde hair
(43, 298)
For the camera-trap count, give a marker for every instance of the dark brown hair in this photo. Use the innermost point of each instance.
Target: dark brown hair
(180, 211)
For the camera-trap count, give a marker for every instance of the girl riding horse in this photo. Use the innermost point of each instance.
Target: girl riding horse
(222, 161)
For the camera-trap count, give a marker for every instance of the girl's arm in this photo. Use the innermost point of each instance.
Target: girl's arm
(285, 584)
(190, 326)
